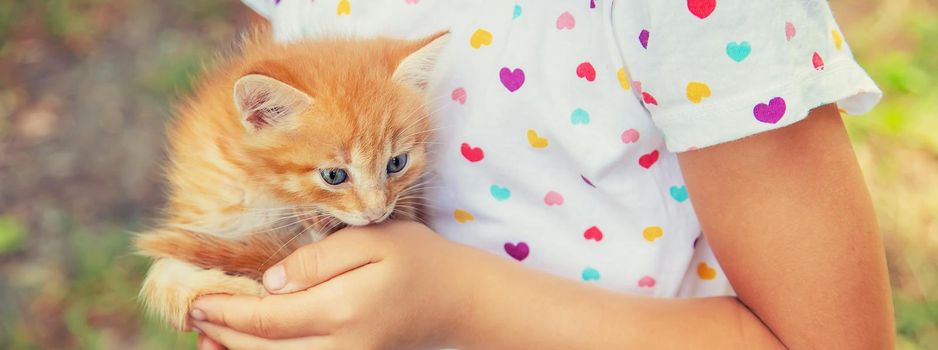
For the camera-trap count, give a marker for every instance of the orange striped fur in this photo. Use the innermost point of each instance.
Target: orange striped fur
(247, 148)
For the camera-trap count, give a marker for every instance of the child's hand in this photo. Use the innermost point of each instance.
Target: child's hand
(394, 285)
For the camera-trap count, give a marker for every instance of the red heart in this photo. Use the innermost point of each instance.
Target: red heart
(701, 8)
(585, 70)
(649, 99)
(817, 61)
(472, 154)
(646, 161)
(593, 233)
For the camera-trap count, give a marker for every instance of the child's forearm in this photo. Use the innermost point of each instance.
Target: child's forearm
(515, 307)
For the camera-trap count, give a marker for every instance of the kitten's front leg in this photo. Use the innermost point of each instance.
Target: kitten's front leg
(171, 286)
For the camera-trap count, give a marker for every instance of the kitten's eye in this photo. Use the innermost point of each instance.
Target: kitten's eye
(334, 176)
(397, 163)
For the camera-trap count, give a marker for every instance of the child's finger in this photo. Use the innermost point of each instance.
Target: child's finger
(234, 340)
(315, 263)
(273, 317)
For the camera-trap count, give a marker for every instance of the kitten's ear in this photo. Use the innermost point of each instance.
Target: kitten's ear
(263, 101)
(414, 70)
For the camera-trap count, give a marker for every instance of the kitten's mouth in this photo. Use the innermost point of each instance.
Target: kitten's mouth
(319, 223)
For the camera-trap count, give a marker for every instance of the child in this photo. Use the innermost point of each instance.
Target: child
(572, 136)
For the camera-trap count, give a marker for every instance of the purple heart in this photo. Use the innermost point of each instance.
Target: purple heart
(512, 78)
(592, 4)
(643, 38)
(770, 113)
(518, 251)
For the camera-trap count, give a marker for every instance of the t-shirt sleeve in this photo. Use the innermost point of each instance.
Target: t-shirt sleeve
(713, 71)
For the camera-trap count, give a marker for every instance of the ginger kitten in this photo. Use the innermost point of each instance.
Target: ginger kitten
(279, 146)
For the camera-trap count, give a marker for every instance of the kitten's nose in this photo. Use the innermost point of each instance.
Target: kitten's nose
(374, 215)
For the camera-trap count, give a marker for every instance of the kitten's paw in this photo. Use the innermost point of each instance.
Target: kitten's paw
(172, 285)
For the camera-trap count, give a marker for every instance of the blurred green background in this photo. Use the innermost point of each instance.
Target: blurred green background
(86, 86)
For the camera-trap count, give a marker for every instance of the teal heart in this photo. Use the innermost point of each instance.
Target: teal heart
(517, 12)
(500, 193)
(738, 51)
(590, 274)
(679, 193)
(579, 116)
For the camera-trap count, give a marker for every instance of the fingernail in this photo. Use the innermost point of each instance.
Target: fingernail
(197, 315)
(275, 278)
(199, 331)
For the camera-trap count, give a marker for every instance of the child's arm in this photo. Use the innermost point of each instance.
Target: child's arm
(788, 215)
(786, 212)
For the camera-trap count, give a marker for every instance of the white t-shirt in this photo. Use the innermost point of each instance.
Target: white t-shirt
(558, 120)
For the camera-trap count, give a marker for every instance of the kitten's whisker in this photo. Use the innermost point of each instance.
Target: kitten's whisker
(284, 245)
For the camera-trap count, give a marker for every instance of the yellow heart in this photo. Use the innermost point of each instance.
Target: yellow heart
(624, 79)
(697, 91)
(706, 272)
(345, 8)
(462, 216)
(480, 38)
(652, 233)
(536, 141)
(838, 39)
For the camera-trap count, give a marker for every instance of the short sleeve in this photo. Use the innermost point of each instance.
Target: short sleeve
(713, 71)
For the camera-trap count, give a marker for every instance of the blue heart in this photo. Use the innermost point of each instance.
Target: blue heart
(590, 274)
(579, 116)
(738, 51)
(517, 12)
(500, 193)
(679, 193)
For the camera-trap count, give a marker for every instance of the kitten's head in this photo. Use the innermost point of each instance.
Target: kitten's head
(338, 127)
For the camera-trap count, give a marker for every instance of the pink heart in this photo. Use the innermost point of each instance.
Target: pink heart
(630, 136)
(770, 113)
(553, 198)
(459, 95)
(518, 251)
(512, 79)
(646, 282)
(566, 21)
(789, 31)
(637, 85)
(411, 1)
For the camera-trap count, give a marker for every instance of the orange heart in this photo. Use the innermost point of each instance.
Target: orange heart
(462, 216)
(535, 140)
(706, 272)
(480, 38)
(651, 233)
